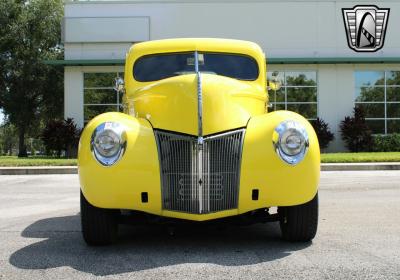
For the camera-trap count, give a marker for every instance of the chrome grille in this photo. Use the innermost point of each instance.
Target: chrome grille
(200, 178)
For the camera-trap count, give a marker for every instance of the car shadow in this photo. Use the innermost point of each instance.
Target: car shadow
(142, 248)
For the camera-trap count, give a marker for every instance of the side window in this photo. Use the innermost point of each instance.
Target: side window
(99, 94)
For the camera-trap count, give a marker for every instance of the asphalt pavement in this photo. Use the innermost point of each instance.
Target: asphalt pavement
(358, 237)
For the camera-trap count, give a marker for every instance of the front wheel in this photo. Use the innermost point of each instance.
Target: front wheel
(99, 226)
(299, 222)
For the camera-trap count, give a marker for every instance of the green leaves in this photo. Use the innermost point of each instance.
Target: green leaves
(29, 90)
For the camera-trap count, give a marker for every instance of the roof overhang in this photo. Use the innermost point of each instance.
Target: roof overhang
(86, 62)
(271, 61)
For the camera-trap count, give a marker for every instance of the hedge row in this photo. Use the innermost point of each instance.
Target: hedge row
(386, 143)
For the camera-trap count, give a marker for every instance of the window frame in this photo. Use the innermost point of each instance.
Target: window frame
(385, 86)
(285, 87)
(118, 105)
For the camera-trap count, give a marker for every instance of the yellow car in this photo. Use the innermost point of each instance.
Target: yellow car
(196, 143)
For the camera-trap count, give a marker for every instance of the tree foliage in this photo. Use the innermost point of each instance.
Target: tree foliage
(355, 132)
(30, 91)
(8, 139)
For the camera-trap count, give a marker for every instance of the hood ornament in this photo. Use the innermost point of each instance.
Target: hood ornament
(199, 100)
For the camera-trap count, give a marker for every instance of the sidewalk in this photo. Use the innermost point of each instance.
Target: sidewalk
(365, 166)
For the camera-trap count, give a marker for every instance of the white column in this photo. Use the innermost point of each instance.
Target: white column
(73, 94)
(336, 98)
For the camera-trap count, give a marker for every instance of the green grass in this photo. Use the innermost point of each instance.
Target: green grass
(35, 161)
(360, 157)
(325, 158)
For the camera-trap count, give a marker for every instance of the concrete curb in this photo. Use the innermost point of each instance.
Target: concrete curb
(362, 166)
(37, 170)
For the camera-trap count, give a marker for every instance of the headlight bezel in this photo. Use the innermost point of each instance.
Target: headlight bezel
(115, 131)
(284, 130)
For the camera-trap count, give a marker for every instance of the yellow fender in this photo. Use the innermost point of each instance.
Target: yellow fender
(120, 185)
(279, 183)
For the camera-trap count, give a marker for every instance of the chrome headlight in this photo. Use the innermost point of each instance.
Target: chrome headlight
(291, 141)
(108, 143)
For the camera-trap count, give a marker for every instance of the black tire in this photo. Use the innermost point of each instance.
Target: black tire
(99, 226)
(299, 223)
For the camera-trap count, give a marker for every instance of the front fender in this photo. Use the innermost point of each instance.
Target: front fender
(279, 183)
(121, 185)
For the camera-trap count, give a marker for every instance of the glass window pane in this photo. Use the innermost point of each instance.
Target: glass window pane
(393, 126)
(280, 95)
(369, 78)
(376, 110)
(393, 110)
(91, 111)
(393, 93)
(161, 66)
(301, 78)
(302, 94)
(309, 111)
(99, 79)
(364, 94)
(100, 96)
(393, 78)
(376, 126)
(278, 107)
(120, 95)
(241, 67)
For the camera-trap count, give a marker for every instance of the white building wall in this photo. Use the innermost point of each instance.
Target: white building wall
(284, 29)
(335, 97)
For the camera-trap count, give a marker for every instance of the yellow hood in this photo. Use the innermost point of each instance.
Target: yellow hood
(171, 104)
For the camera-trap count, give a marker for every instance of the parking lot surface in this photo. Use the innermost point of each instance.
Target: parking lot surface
(358, 237)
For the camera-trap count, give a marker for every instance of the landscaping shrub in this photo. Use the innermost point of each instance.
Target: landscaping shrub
(61, 135)
(387, 143)
(355, 132)
(323, 132)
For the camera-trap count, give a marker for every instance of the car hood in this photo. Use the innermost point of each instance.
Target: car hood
(171, 104)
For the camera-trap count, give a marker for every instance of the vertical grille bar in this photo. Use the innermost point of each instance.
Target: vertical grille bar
(183, 164)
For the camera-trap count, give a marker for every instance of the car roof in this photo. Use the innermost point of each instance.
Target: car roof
(196, 44)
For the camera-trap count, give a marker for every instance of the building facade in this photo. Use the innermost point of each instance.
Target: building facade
(305, 44)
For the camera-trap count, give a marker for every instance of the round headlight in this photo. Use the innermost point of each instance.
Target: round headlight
(291, 143)
(108, 143)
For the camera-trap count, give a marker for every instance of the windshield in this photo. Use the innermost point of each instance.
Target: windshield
(160, 66)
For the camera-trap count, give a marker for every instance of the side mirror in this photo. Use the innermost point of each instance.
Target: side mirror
(119, 84)
(274, 85)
